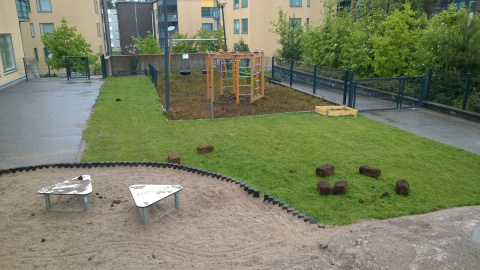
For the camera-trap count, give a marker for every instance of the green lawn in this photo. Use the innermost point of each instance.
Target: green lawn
(261, 151)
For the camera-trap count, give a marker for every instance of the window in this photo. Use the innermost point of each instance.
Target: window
(308, 21)
(44, 6)
(32, 30)
(235, 4)
(45, 28)
(236, 26)
(100, 49)
(6, 53)
(207, 12)
(98, 30)
(95, 3)
(295, 22)
(244, 26)
(295, 3)
(207, 26)
(308, 3)
(23, 8)
(35, 52)
(244, 3)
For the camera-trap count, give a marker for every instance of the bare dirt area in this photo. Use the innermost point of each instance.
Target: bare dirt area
(218, 225)
(189, 99)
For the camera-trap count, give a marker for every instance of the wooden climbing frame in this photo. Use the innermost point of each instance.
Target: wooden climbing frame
(256, 73)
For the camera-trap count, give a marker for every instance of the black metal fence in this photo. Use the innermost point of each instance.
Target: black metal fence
(333, 82)
(387, 93)
(454, 89)
(459, 90)
(77, 67)
(153, 74)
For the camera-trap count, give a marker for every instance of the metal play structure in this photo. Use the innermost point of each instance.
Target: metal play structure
(233, 67)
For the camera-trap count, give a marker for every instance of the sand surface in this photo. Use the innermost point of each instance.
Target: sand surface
(218, 225)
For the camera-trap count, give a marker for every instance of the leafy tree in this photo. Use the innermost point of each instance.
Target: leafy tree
(183, 46)
(393, 50)
(290, 33)
(450, 42)
(241, 46)
(63, 42)
(147, 45)
(111, 5)
(198, 46)
(203, 46)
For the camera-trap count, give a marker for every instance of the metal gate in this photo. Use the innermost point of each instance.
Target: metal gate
(77, 67)
(387, 93)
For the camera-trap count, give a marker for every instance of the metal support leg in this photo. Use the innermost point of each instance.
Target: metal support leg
(47, 201)
(144, 215)
(177, 200)
(85, 202)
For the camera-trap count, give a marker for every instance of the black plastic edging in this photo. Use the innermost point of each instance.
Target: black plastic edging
(251, 190)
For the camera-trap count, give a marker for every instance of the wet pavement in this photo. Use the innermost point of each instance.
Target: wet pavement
(42, 121)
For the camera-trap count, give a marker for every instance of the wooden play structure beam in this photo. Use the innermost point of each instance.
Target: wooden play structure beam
(255, 72)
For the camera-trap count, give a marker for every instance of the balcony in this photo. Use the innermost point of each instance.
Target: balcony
(171, 17)
(23, 8)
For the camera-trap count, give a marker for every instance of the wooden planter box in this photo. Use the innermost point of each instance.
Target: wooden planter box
(335, 110)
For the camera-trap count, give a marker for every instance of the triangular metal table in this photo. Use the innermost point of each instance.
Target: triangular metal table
(146, 195)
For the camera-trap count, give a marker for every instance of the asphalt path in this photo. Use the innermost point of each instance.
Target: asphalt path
(42, 121)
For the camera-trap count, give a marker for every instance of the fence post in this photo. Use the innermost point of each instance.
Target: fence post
(422, 92)
(315, 78)
(467, 87)
(350, 95)
(354, 95)
(25, 67)
(345, 86)
(67, 67)
(273, 67)
(429, 82)
(400, 93)
(291, 73)
(104, 68)
(87, 68)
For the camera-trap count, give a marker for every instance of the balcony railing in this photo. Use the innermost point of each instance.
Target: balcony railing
(170, 17)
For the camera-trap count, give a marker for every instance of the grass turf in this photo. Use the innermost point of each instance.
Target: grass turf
(261, 151)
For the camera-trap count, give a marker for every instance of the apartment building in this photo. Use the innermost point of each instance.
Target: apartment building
(135, 19)
(114, 31)
(11, 49)
(44, 15)
(245, 19)
(250, 20)
(187, 17)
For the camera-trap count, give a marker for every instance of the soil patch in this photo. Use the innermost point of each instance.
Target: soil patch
(189, 100)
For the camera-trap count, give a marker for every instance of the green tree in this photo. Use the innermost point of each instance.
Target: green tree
(63, 42)
(147, 45)
(241, 46)
(394, 49)
(450, 42)
(290, 32)
(203, 46)
(183, 46)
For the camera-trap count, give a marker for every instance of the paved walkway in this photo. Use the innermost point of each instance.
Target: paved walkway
(440, 127)
(42, 121)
